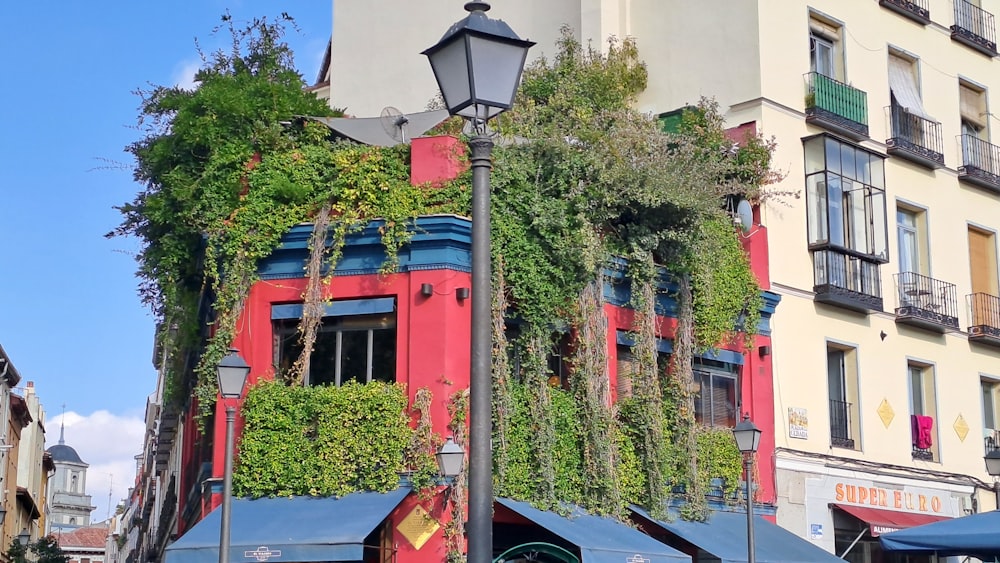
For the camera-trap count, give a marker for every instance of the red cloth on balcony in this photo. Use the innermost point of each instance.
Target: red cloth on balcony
(921, 428)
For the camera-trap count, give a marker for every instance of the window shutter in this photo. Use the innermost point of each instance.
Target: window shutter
(970, 105)
(824, 29)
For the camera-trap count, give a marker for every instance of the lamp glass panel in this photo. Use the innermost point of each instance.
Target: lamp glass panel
(496, 68)
(993, 463)
(451, 68)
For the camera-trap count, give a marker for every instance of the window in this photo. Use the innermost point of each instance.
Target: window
(842, 386)
(923, 407)
(73, 484)
(911, 230)
(983, 261)
(991, 413)
(717, 397)
(845, 195)
(557, 363)
(904, 85)
(355, 342)
(972, 109)
(826, 47)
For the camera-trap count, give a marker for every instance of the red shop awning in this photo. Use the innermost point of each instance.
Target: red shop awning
(884, 521)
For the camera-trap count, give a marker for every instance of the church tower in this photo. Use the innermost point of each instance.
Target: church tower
(68, 501)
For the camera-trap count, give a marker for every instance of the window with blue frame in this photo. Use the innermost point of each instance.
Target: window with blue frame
(356, 341)
(715, 374)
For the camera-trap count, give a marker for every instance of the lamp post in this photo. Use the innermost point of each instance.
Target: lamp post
(477, 65)
(233, 371)
(748, 440)
(993, 468)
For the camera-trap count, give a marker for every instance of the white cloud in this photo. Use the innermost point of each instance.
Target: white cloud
(184, 74)
(109, 443)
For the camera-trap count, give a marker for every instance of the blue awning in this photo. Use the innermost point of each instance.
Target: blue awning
(600, 539)
(724, 536)
(289, 529)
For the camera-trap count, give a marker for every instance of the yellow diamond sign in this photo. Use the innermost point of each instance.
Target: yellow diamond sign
(418, 527)
(961, 428)
(886, 413)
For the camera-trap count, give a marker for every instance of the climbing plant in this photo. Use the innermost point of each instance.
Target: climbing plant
(229, 167)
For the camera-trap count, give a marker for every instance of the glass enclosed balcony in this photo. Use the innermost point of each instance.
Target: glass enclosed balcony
(836, 106)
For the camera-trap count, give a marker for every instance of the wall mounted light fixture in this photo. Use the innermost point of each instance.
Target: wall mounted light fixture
(426, 289)
(462, 293)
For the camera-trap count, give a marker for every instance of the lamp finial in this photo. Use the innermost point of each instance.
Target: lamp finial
(477, 6)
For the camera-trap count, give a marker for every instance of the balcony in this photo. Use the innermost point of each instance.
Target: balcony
(836, 106)
(840, 425)
(847, 280)
(925, 302)
(974, 28)
(980, 163)
(915, 138)
(985, 314)
(915, 10)
(991, 440)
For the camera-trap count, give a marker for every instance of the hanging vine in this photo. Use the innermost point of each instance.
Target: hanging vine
(598, 182)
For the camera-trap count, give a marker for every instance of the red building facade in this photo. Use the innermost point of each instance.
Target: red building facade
(417, 321)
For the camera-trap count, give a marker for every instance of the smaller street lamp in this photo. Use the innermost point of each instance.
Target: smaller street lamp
(233, 371)
(24, 537)
(748, 440)
(3, 513)
(450, 459)
(993, 468)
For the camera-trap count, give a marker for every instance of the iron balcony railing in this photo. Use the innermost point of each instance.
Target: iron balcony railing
(984, 310)
(980, 161)
(830, 99)
(843, 277)
(991, 441)
(914, 137)
(974, 27)
(840, 424)
(926, 299)
(914, 9)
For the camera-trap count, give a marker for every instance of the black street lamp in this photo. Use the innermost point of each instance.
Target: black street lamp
(24, 537)
(748, 440)
(233, 371)
(993, 468)
(477, 65)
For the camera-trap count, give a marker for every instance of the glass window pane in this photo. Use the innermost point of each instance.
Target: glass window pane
(816, 208)
(858, 221)
(384, 355)
(988, 418)
(323, 362)
(847, 162)
(879, 230)
(832, 155)
(815, 160)
(862, 164)
(877, 171)
(354, 356)
(916, 391)
(835, 201)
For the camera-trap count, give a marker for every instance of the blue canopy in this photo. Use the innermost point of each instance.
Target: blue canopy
(977, 535)
(600, 539)
(289, 529)
(724, 536)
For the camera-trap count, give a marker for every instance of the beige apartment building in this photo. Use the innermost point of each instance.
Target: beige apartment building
(886, 345)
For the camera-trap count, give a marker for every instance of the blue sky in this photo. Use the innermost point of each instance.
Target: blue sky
(70, 318)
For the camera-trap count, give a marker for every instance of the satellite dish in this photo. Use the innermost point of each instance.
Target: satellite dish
(743, 218)
(394, 123)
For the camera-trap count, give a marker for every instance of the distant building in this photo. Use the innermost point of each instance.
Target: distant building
(68, 501)
(84, 544)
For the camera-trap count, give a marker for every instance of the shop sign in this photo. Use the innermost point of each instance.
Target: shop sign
(890, 499)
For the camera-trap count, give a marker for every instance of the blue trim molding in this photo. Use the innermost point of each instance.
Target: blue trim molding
(440, 242)
(667, 347)
(344, 308)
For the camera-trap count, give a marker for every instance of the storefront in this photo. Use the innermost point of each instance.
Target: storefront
(845, 510)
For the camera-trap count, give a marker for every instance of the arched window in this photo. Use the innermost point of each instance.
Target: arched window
(73, 484)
